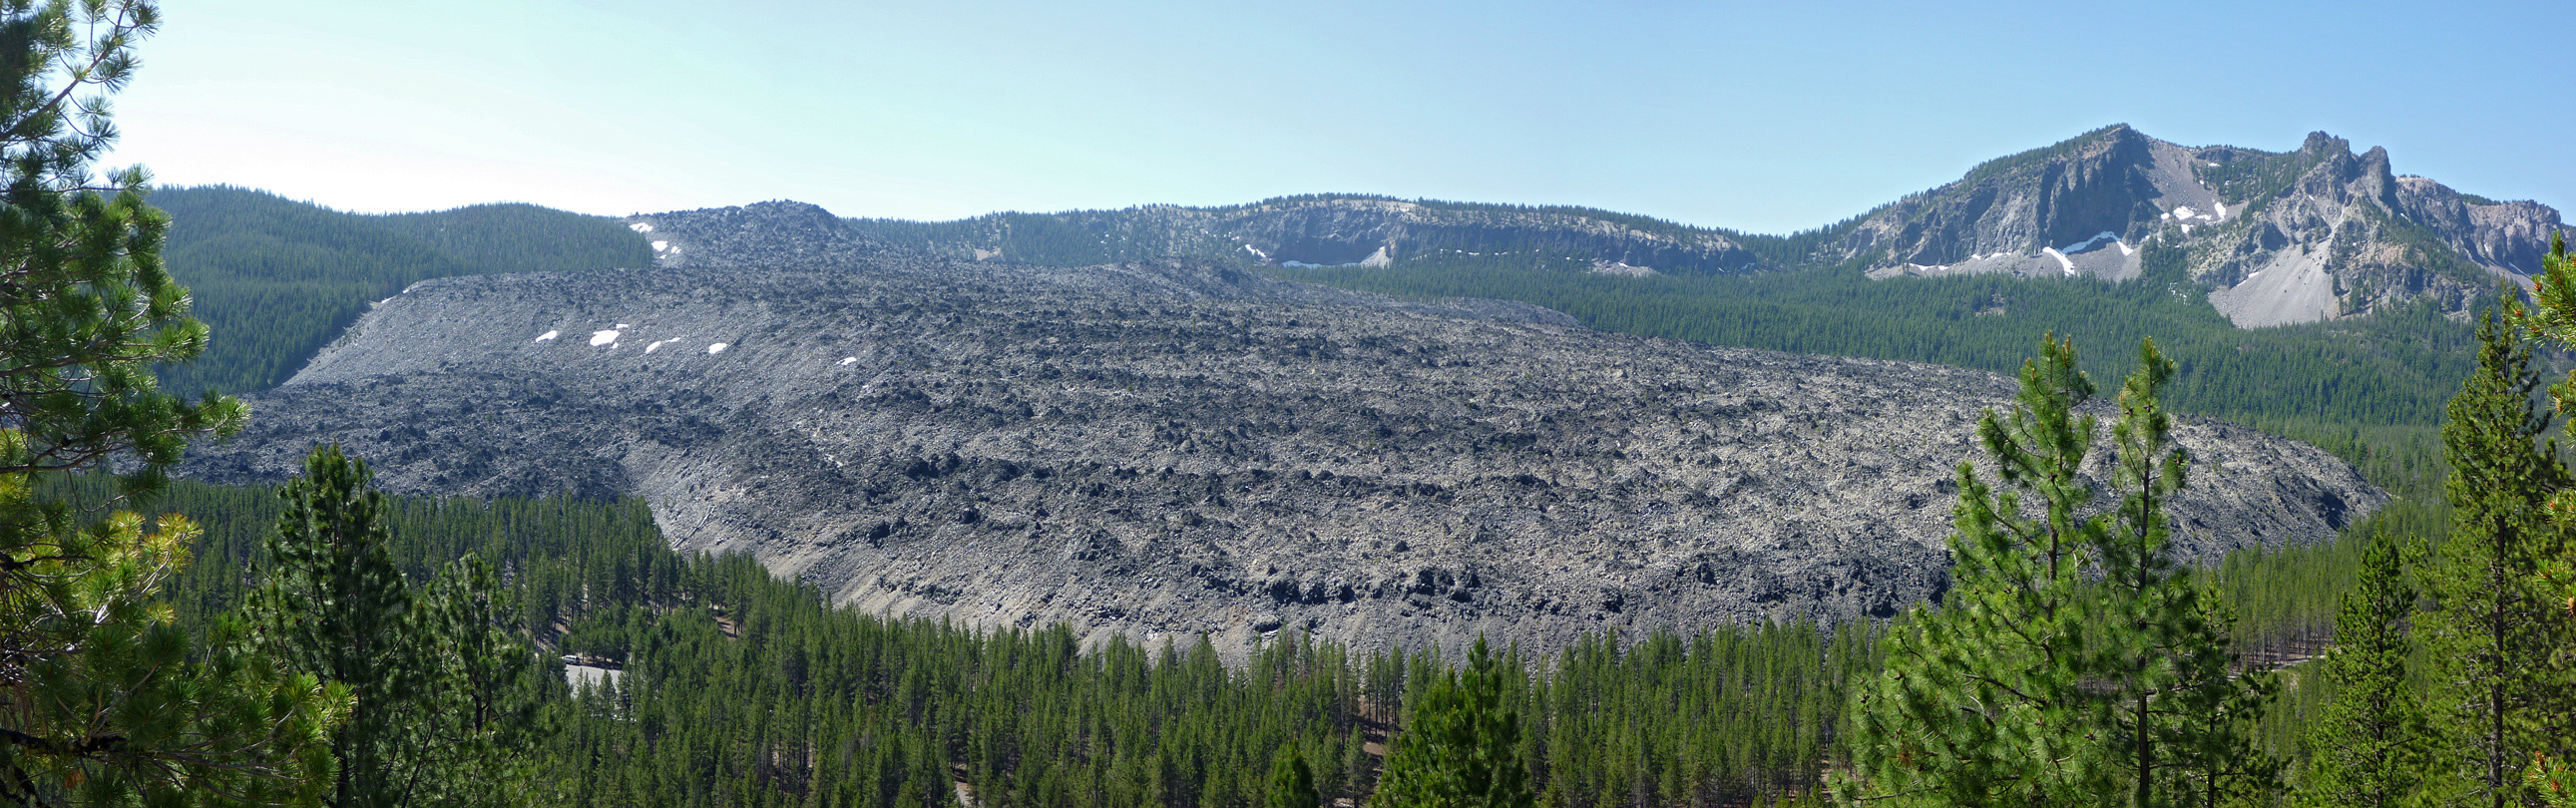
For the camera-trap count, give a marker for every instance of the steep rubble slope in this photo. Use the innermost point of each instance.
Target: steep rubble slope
(1176, 447)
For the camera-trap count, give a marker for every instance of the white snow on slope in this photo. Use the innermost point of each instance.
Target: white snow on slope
(658, 345)
(716, 349)
(2087, 244)
(549, 335)
(601, 338)
(661, 246)
(2062, 262)
(847, 361)
(641, 227)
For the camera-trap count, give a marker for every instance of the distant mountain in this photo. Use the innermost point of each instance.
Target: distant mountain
(276, 279)
(1327, 231)
(2275, 238)
(2279, 238)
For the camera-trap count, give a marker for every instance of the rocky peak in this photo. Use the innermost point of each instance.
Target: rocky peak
(2277, 238)
(694, 237)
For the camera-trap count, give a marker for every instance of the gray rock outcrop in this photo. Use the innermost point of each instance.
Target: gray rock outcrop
(2276, 238)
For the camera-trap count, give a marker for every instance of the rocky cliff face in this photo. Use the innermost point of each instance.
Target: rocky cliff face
(2277, 237)
(1178, 446)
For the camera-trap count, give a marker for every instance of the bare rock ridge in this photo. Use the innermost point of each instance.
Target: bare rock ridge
(2277, 237)
(1336, 230)
(2271, 237)
(1173, 447)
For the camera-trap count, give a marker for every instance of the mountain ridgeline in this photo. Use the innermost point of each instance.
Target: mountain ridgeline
(277, 279)
(1179, 446)
(2269, 238)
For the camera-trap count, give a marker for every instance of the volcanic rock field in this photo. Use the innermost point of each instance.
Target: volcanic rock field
(1169, 448)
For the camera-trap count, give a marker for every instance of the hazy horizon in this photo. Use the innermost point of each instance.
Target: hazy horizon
(1752, 119)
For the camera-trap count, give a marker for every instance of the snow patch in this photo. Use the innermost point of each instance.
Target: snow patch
(2062, 261)
(2186, 230)
(658, 345)
(716, 348)
(661, 246)
(623, 326)
(2183, 212)
(603, 338)
(549, 335)
(1255, 251)
(2087, 244)
(2125, 249)
(847, 361)
(641, 227)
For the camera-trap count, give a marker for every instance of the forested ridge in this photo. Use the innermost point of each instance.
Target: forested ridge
(276, 279)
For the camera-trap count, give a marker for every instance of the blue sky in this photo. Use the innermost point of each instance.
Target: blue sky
(1760, 117)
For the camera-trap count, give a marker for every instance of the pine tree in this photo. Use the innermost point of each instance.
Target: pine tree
(1292, 782)
(2180, 718)
(1461, 746)
(1982, 701)
(445, 701)
(2371, 747)
(334, 605)
(2500, 638)
(2552, 318)
(2033, 684)
(479, 723)
(103, 700)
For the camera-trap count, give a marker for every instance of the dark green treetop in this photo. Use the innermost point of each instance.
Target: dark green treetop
(1461, 748)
